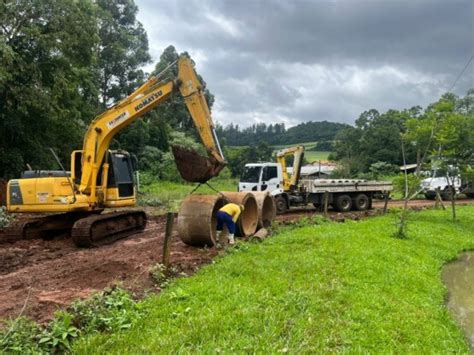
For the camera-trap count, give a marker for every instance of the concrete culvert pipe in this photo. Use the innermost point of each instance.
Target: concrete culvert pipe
(247, 223)
(197, 219)
(266, 209)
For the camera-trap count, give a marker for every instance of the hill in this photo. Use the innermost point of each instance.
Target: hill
(277, 134)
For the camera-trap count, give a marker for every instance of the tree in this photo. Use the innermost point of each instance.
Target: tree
(174, 111)
(237, 158)
(455, 148)
(122, 50)
(46, 82)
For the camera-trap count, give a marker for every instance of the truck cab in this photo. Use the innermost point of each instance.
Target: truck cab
(438, 180)
(262, 177)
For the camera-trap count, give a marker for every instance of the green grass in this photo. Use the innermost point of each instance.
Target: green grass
(168, 194)
(309, 155)
(331, 287)
(312, 156)
(307, 145)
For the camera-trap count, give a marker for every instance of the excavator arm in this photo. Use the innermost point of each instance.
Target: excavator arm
(298, 154)
(148, 96)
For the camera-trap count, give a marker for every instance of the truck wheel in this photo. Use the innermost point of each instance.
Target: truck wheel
(280, 203)
(343, 203)
(361, 202)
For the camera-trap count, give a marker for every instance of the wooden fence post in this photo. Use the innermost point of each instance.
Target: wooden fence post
(385, 205)
(167, 242)
(326, 202)
(439, 200)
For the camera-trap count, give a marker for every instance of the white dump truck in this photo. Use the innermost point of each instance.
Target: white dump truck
(289, 190)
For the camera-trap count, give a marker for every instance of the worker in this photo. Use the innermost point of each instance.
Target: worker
(228, 215)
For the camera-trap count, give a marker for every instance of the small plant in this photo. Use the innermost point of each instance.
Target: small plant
(161, 275)
(237, 248)
(107, 311)
(402, 223)
(145, 199)
(60, 333)
(158, 273)
(110, 310)
(20, 336)
(5, 217)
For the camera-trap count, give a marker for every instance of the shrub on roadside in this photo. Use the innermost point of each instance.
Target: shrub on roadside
(108, 311)
(5, 217)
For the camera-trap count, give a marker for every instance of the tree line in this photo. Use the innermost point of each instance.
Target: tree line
(63, 63)
(276, 134)
(445, 127)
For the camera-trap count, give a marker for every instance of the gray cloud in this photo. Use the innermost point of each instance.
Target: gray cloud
(277, 61)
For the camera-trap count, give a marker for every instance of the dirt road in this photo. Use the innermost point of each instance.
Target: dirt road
(42, 276)
(296, 213)
(47, 275)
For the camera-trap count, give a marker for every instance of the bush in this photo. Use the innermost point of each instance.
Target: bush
(323, 146)
(108, 311)
(20, 336)
(382, 168)
(413, 184)
(5, 217)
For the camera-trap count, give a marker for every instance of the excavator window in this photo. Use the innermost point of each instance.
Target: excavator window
(121, 174)
(77, 167)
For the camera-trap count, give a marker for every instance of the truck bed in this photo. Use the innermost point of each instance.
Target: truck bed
(345, 185)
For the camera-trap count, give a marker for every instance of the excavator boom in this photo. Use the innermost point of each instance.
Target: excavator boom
(145, 98)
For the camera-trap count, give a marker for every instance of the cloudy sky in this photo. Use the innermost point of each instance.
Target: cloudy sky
(296, 61)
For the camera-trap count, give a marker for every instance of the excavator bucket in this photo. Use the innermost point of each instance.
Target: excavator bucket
(193, 167)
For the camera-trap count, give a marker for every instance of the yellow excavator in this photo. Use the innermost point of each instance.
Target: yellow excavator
(102, 178)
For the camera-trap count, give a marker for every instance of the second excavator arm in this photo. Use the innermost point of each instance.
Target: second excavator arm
(149, 95)
(298, 155)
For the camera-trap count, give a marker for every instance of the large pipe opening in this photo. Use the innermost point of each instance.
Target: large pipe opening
(266, 209)
(197, 219)
(247, 223)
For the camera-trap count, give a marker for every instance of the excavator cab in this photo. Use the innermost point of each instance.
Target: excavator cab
(116, 176)
(120, 174)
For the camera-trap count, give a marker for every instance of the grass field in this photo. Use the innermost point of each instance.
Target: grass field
(307, 145)
(348, 287)
(309, 155)
(168, 194)
(312, 156)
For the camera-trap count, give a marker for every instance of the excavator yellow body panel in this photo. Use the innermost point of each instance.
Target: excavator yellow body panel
(44, 195)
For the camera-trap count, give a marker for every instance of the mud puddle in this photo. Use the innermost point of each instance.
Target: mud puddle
(458, 276)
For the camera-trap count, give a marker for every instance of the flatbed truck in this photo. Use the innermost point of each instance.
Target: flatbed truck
(289, 190)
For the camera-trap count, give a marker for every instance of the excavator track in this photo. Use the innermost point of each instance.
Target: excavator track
(106, 228)
(42, 227)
